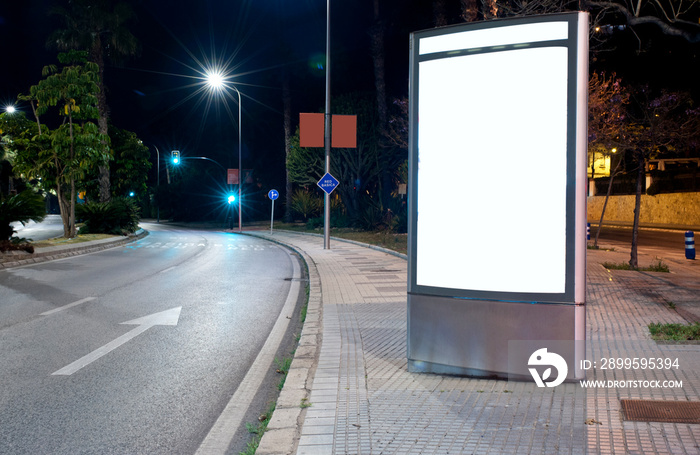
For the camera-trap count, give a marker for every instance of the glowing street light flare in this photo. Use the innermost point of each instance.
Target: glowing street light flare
(215, 80)
(10, 109)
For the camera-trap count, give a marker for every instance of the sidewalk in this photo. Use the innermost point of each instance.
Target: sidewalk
(349, 392)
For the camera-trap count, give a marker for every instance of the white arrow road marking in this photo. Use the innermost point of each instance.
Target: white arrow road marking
(65, 307)
(167, 317)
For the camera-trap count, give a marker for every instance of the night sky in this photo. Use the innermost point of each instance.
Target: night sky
(152, 94)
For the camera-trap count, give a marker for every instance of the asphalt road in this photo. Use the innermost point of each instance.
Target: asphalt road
(52, 226)
(672, 240)
(84, 370)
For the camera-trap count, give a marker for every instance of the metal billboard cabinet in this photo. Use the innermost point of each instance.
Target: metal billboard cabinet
(497, 193)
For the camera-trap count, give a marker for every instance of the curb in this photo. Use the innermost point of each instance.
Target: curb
(354, 242)
(284, 428)
(20, 258)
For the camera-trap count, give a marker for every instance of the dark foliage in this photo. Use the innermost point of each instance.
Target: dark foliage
(120, 216)
(21, 207)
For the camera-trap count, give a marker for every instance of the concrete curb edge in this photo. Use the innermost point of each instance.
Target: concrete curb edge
(53, 253)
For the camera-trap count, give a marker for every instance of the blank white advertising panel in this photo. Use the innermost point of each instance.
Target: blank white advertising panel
(494, 140)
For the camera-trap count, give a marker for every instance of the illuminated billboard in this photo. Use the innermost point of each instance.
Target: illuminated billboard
(495, 110)
(497, 193)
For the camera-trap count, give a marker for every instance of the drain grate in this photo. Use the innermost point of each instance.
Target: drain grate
(661, 411)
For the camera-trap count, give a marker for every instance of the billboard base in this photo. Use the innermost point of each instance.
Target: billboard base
(469, 337)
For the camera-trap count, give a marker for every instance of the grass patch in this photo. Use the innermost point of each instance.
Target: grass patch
(675, 332)
(597, 247)
(283, 368)
(57, 241)
(385, 239)
(658, 266)
(258, 429)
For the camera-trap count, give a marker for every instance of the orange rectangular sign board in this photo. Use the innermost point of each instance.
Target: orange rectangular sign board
(232, 176)
(311, 130)
(344, 131)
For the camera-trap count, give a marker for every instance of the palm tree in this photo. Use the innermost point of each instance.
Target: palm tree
(99, 27)
(23, 207)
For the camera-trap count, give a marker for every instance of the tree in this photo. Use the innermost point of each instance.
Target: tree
(607, 113)
(129, 169)
(358, 170)
(62, 156)
(131, 162)
(659, 124)
(677, 18)
(305, 166)
(287, 128)
(7, 122)
(671, 17)
(99, 27)
(23, 207)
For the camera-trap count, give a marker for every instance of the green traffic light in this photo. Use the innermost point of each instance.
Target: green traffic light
(231, 198)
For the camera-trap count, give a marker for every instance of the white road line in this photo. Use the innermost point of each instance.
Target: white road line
(225, 427)
(70, 305)
(168, 269)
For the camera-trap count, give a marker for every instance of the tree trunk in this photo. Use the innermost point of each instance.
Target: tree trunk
(63, 210)
(440, 13)
(605, 204)
(103, 119)
(72, 230)
(378, 59)
(287, 124)
(634, 262)
(71, 202)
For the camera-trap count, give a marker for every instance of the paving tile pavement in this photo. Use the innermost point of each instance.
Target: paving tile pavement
(355, 395)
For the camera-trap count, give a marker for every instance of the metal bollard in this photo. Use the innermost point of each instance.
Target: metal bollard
(588, 231)
(689, 245)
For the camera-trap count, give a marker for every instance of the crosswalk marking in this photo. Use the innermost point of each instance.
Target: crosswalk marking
(185, 245)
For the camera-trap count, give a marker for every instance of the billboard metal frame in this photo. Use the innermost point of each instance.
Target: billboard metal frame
(433, 309)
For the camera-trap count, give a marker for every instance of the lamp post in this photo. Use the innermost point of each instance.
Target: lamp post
(240, 171)
(157, 183)
(216, 81)
(327, 132)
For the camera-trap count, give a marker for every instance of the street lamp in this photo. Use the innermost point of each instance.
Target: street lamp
(157, 184)
(216, 81)
(10, 109)
(327, 132)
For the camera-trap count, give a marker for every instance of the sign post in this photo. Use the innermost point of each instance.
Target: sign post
(273, 194)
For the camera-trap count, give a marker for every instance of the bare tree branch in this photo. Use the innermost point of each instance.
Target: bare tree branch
(669, 20)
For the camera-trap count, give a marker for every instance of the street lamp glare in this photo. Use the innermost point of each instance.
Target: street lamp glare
(10, 109)
(215, 80)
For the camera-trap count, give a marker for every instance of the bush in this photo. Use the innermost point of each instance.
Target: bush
(305, 205)
(120, 216)
(22, 207)
(314, 223)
